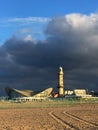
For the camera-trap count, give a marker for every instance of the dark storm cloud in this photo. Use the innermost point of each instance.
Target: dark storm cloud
(77, 35)
(72, 42)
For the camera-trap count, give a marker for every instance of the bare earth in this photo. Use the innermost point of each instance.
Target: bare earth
(77, 117)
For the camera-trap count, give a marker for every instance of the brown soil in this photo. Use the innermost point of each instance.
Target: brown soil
(78, 117)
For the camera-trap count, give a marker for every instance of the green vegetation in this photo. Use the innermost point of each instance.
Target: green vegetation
(59, 102)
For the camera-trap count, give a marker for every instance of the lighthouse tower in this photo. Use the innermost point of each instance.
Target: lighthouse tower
(61, 92)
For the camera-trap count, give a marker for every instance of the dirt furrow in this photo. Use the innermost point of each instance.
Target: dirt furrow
(93, 124)
(73, 122)
(63, 122)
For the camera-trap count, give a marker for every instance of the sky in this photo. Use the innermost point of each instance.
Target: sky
(38, 36)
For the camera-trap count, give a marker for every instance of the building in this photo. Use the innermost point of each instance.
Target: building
(81, 93)
(28, 95)
(61, 91)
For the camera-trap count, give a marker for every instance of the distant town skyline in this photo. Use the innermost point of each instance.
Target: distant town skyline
(36, 37)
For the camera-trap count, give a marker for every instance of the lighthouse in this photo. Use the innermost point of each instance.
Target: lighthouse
(61, 92)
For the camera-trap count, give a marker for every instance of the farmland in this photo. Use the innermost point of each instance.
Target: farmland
(54, 117)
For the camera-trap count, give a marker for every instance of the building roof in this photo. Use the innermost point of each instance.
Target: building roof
(11, 92)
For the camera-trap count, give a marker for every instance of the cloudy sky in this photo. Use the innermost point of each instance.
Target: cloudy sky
(38, 36)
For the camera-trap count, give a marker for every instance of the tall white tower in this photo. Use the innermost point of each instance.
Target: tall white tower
(61, 82)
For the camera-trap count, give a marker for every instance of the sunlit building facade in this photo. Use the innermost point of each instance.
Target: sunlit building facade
(28, 94)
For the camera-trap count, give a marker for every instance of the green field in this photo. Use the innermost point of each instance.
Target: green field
(45, 104)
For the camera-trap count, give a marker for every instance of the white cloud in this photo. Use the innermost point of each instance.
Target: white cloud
(23, 21)
(28, 38)
(82, 22)
(29, 19)
(25, 30)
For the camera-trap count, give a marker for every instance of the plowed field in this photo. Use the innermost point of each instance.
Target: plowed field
(77, 117)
